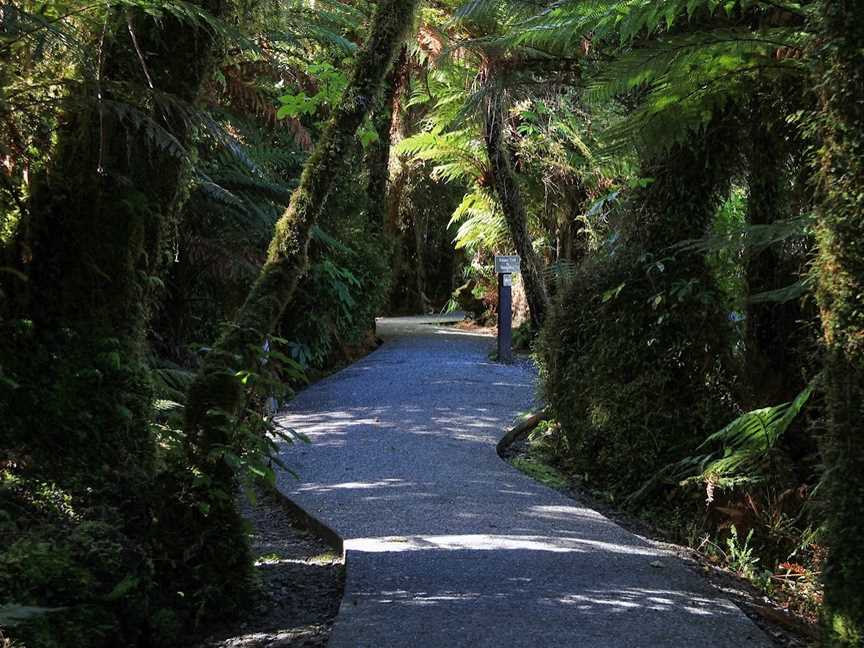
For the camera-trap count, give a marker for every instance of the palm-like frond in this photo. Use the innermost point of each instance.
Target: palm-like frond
(742, 445)
(457, 156)
(685, 79)
(565, 25)
(481, 223)
(53, 61)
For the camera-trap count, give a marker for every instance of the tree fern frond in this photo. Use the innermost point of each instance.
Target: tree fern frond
(566, 25)
(749, 238)
(458, 155)
(481, 224)
(788, 293)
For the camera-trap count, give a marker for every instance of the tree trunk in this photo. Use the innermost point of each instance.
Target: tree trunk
(419, 225)
(507, 187)
(398, 169)
(378, 156)
(840, 269)
(216, 387)
(98, 217)
(82, 419)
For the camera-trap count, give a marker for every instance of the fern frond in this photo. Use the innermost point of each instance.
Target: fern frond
(481, 224)
(744, 442)
(458, 156)
(566, 25)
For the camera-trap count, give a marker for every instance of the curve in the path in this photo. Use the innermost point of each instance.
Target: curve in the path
(449, 546)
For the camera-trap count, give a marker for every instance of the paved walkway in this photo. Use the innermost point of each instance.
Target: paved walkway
(447, 545)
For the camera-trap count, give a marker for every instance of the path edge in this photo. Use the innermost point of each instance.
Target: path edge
(308, 521)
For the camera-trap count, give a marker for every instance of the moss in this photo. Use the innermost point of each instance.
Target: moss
(840, 271)
(79, 419)
(288, 253)
(62, 552)
(537, 468)
(377, 159)
(215, 391)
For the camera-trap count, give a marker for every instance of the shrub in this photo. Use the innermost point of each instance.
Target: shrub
(631, 369)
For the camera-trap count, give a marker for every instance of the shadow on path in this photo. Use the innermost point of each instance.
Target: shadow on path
(449, 546)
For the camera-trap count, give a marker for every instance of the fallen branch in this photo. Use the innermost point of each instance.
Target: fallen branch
(522, 429)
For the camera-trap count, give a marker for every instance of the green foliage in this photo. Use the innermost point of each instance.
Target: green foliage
(742, 445)
(633, 353)
(840, 272)
(727, 262)
(331, 83)
(62, 563)
(740, 555)
(635, 131)
(683, 61)
(628, 383)
(546, 440)
(107, 519)
(347, 283)
(542, 472)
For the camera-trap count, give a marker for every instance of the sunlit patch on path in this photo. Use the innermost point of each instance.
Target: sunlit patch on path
(449, 546)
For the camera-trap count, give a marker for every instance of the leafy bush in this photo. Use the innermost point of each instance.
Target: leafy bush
(629, 372)
(347, 284)
(75, 562)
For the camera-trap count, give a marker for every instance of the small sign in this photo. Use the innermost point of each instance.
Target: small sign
(507, 279)
(507, 264)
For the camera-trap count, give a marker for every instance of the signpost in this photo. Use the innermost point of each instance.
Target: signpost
(505, 267)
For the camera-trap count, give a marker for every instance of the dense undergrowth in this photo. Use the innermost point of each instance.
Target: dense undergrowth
(116, 527)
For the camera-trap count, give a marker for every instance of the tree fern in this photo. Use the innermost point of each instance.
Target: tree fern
(565, 26)
(457, 156)
(679, 61)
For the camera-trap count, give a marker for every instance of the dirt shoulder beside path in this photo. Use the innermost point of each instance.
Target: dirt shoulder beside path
(302, 578)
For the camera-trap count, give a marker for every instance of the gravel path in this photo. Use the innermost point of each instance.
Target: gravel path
(449, 546)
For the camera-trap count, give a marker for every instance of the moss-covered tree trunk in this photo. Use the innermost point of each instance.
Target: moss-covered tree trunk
(507, 188)
(81, 418)
(398, 167)
(99, 213)
(840, 293)
(216, 387)
(378, 156)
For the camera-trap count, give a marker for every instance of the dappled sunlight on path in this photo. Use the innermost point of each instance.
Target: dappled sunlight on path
(449, 546)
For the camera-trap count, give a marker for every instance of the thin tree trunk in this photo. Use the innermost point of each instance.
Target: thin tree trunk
(419, 225)
(840, 269)
(398, 169)
(216, 387)
(378, 157)
(399, 172)
(507, 187)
